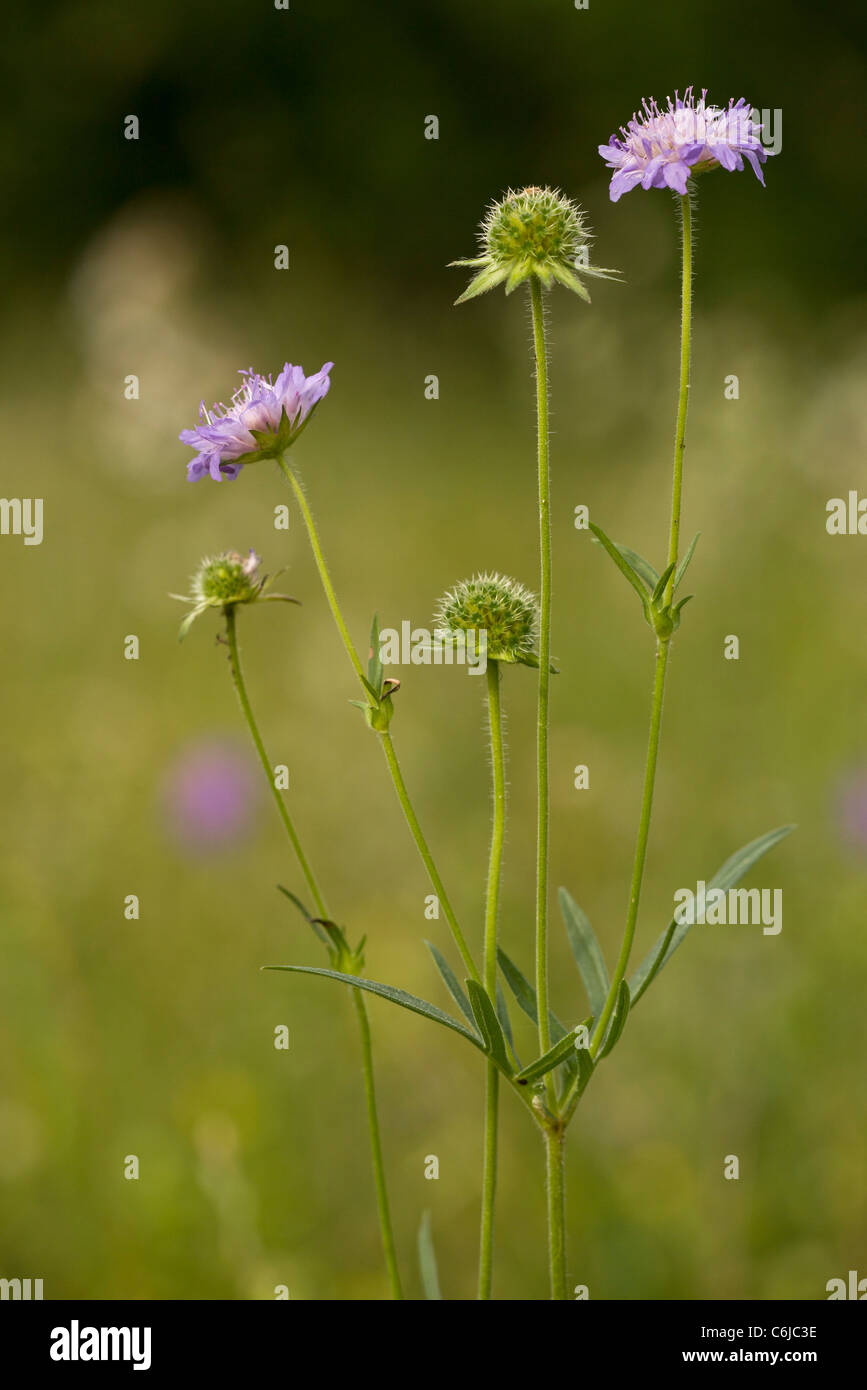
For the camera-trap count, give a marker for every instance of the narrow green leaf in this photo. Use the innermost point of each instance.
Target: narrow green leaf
(550, 1059)
(641, 566)
(489, 1026)
(587, 952)
(618, 558)
(452, 984)
(374, 694)
(188, 622)
(505, 1021)
(618, 1019)
(585, 1067)
(525, 996)
(397, 996)
(374, 665)
(304, 913)
(661, 583)
(571, 281)
(524, 993)
(730, 874)
(485, 280)
(296, 902)
(684, 564)
(531, 659)
(427, 1260)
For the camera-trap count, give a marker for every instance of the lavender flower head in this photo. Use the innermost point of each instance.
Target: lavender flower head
(209, 796)
(663, 148)
(262, 419)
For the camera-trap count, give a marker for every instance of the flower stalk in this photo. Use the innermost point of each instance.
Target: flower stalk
(387, 743)
(545, 574)
(492, 902)
(662, 642)
(383, 1208)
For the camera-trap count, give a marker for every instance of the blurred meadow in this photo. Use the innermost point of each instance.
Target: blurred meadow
(156, 257)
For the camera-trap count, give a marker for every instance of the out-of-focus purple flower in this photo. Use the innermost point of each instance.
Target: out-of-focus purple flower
(210, 796)
(663, 148)
(262, 419)
(852, 810)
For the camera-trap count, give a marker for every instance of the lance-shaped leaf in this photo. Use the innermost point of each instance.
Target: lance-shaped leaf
(618, 1019)
(684, 564)
(550, 1059)
(642, 567)
(311, 921)
(397, 996)
(620, 561)
(489, 1026)
(452, 984)
(587, 952)
(374, 665)
(585, 1067)
(427, 1260)
(505, 1021)
(726, 877)
(525, 997)
(661, 582)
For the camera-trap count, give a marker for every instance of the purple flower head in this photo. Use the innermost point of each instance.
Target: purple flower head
(663, 148)
(262, 419)
(209, 796)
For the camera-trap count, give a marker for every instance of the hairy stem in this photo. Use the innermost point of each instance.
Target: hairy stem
(325, 577)
(662, 645)
(555, 1143)
(385, 1227)
(543, 796)
(388, 746)
(683, 394)
(492, 901)
(246, 710)
(424, 851)
(640, 848)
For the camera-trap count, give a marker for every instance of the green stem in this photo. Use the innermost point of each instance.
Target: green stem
(323, 569)
(424, 852)
(640, 849)
(555, 1139)
(495, 862)
(683, 394)
(388, 746)
(385, 1226)
(243, 700)
(662, 645)
(489, 1175)
(543, 798)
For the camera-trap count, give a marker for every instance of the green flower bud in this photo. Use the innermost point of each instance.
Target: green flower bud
(224, 581)
(537, 232)
(227, 578)
(501, 608)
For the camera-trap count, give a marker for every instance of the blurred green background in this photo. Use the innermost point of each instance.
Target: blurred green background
(155, 1037)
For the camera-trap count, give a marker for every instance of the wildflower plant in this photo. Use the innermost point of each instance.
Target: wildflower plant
(537, 238)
